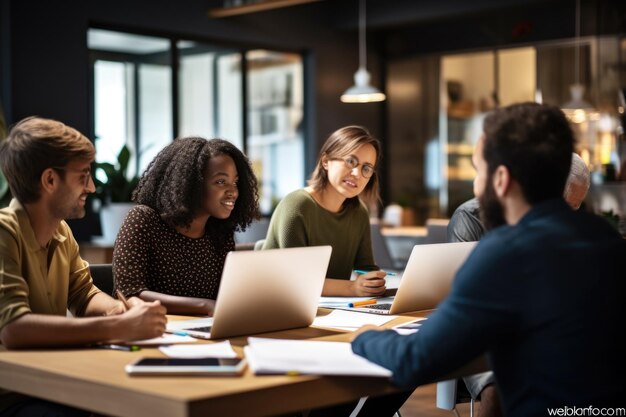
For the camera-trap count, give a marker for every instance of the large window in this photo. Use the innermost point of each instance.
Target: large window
(275, 143)
(210, 93)
(142, 102)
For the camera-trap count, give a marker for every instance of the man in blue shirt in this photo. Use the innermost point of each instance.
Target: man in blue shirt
(465, 226)
(543, 292)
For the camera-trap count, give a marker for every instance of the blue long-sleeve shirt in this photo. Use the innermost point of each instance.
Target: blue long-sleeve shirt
(545, 299)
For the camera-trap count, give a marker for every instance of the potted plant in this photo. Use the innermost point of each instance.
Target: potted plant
(5, 195)
(114, 190)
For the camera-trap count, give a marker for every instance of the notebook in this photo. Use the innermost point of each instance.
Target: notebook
(426, 280)
(263, 291)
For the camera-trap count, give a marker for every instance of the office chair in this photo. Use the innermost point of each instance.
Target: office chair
(255, 231)
(382, 256)
(102, 275)
(437, 230)
(448, 397)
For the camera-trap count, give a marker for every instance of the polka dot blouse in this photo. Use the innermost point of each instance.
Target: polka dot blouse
(151, 255)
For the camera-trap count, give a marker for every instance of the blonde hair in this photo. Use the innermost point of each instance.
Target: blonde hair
(35, 144)
(339, 144)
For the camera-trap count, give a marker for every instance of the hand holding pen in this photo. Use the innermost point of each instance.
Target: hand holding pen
(369, 283)
(141, 320)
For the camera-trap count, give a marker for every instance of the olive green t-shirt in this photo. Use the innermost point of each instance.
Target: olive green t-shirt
(299, 221)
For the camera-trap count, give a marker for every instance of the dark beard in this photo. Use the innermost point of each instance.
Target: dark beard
(491, 211)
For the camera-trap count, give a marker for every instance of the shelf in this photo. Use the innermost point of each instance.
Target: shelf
(255, 7)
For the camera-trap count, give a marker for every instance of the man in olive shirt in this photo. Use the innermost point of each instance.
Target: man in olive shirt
(42, 275)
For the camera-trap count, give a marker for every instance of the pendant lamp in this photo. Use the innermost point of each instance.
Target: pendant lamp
(577, 109)
(362, 91)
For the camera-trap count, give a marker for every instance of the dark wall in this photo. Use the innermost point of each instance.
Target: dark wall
(49, 65)
(45, 66)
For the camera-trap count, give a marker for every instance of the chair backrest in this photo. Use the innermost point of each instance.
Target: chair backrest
(382, 256)
(437, 230)
(102, 275)
(254, 232)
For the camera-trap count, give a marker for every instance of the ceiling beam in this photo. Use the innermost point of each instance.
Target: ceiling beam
(255, 7)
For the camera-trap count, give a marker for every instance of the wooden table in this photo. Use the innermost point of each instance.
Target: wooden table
(95, 380)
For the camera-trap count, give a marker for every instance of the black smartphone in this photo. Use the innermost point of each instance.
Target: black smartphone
(180, 366)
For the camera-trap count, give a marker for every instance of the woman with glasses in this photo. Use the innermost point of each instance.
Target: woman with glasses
(172, 246)
(332, 211)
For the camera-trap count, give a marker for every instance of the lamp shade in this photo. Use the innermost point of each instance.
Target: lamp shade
(577, 109)
(362, 91)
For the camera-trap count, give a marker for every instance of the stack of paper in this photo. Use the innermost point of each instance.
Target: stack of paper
(293, 357)
(350, 320)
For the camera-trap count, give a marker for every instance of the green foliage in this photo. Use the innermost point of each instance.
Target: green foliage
(117, 188)
(5, 196)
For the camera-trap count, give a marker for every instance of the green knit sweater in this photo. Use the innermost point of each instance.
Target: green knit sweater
(299, 221)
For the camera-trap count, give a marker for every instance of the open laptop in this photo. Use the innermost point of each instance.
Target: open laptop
(263, 291)
(426, 280)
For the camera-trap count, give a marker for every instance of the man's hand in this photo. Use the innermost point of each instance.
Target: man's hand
(142, 321)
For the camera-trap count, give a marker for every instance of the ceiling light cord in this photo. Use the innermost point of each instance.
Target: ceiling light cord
(577, 48)
(362, 40)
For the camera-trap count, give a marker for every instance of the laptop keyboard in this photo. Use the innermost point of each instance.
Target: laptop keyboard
(383, 306)
(201, 329)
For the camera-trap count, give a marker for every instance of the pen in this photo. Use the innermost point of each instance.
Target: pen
(177, 332)
(132, 348)
(360, 271)
(122, 299)
(362, 303)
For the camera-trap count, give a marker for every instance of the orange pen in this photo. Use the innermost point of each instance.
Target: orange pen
(362, 303)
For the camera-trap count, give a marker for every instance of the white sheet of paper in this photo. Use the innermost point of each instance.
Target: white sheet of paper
(350, 320)
(275, 356)
(409, 327)
(166, 339)
(201, 350)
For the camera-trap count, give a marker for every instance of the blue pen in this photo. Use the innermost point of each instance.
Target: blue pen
(360, 271)
(177, 332)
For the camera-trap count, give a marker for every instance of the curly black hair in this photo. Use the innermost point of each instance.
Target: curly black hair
(173, 184)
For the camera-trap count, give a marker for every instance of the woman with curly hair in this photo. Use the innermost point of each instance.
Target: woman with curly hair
(331, 211)
(190, 200)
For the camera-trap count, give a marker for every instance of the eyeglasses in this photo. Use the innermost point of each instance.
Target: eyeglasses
(85, 177)
(351, 162)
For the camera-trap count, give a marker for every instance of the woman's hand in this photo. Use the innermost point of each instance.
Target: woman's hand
(371, 284)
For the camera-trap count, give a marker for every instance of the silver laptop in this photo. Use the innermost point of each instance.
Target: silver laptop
(263, 291)
(426, 280)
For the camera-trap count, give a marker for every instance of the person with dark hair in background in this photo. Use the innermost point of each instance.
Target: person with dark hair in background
(172, 246)
(542, 294)
(465, 226)
(331, 211)
(48, 167)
